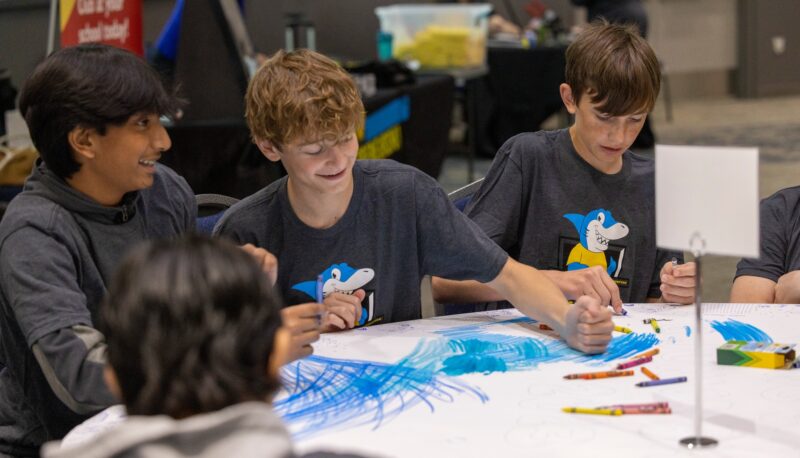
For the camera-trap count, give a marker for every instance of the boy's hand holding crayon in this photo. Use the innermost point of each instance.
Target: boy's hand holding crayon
(588, 326)
(677, 282)
(304, 326)
(344, 310)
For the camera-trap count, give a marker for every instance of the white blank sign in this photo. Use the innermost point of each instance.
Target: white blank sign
(710, 191)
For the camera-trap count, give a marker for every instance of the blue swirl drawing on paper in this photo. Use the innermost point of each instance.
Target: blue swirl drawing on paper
(324, 393)
(327, 392)
(736, 330)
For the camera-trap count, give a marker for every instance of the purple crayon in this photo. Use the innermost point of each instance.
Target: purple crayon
(663, 381)
(635, 362)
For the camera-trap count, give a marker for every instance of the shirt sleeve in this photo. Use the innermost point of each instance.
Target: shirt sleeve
(497, 206)
(774, 242)
(451, 245)
(40, 282)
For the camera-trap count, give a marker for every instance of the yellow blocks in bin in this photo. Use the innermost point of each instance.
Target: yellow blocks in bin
(444, 47)
(755, 354)
(438, 36)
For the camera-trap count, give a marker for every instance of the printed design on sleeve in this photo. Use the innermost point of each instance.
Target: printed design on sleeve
(341, 278)
(597, 230)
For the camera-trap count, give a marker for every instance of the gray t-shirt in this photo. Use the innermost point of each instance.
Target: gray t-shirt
(780, 237)
(550, 209)
(398, 227)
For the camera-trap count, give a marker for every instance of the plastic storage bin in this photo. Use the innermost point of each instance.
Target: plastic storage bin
(438, 36)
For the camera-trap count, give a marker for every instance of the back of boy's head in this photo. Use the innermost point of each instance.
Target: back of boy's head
(615, 67)
(302, 95)
(89, 85)
(190, 325)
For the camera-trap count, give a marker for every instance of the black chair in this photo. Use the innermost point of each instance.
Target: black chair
(210, 208)
(460, 198)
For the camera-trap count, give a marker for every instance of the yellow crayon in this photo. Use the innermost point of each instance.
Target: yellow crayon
(622, 329)
(592, 411)
(655, 326)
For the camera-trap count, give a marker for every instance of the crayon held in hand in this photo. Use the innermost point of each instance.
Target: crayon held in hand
(594, 375)
(545, 327)
(663, 381)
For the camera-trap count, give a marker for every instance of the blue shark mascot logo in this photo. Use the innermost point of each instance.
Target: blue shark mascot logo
(596, 229)
(341, 278)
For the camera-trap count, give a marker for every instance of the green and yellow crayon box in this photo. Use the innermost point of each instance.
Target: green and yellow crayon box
(755, 354)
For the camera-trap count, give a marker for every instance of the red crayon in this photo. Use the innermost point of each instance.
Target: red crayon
(637, 411)
(651, 405)
(635, 362)
(545, 327)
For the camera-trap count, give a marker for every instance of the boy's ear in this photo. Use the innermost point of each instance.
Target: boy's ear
(82, 144)
(269, 150)
(112, 383)
(568, 98)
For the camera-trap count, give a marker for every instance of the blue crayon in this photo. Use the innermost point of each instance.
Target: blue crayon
(320, 297)
(663, 381)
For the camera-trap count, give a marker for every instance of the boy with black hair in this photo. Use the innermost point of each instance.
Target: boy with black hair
(194, 346)
(363, 233)
(93, 113)
(576, 202)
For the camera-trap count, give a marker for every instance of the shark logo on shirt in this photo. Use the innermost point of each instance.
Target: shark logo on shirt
(341, 278)
(596, 229)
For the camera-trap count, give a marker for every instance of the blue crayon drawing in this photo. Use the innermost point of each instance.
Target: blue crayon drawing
(688, 330)
(736, 330)
(324, 393)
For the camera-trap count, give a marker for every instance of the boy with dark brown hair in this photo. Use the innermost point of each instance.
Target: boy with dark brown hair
(576, 203)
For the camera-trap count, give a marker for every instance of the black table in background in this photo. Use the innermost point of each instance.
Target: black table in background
(519, 93)
(218, 156)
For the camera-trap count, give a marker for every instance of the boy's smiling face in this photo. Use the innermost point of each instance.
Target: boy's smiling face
(322, 167)
(600, 138)
(122, 159)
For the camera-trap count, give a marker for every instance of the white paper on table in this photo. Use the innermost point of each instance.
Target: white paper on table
(711, 191)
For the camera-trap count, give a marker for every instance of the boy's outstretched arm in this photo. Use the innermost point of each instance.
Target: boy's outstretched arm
(753, 290)
(593, 282)
(585, 326)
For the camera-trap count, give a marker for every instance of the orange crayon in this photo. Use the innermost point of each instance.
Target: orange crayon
(652, 352)
(650, 374)
(596, 375)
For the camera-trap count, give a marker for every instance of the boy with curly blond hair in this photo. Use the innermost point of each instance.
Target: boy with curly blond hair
(362, 234)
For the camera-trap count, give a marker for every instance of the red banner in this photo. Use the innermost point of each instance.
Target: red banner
(113, 22)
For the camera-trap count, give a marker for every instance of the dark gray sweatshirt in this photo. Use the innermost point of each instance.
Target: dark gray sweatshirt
(58, 249)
